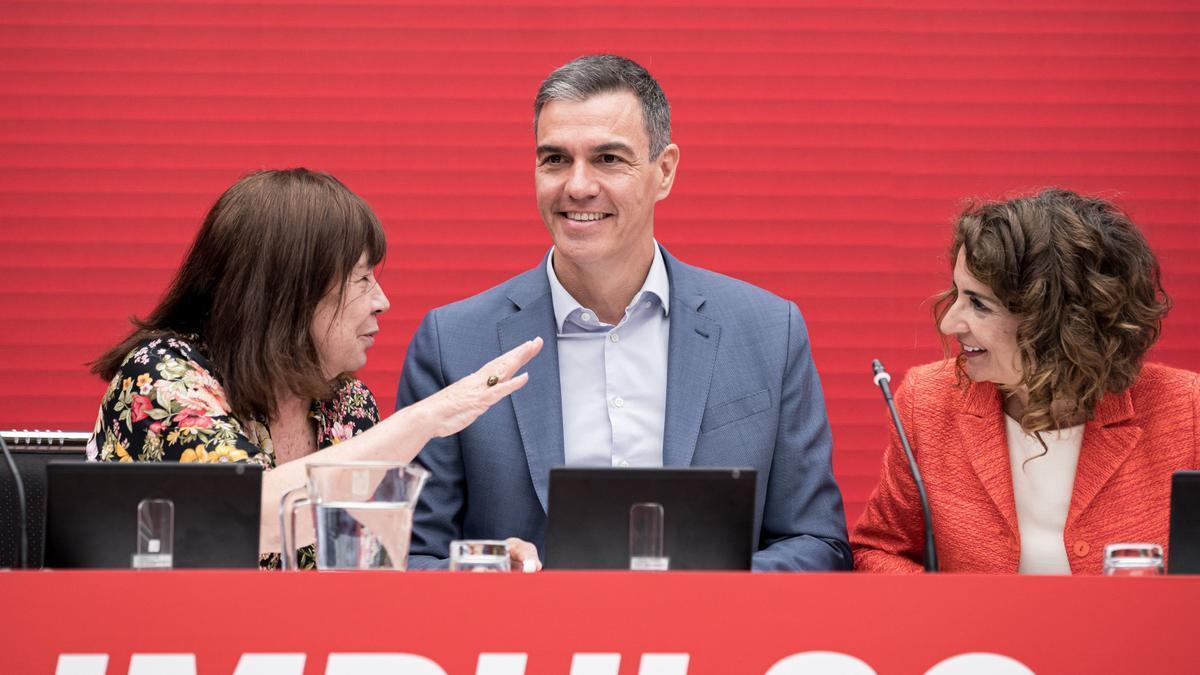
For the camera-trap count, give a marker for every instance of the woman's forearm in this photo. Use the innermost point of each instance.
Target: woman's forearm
(402, 435)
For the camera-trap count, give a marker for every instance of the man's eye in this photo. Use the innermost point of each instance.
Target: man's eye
(609, 159)
(553, 159)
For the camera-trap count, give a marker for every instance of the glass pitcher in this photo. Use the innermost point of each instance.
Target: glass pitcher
(363, 513)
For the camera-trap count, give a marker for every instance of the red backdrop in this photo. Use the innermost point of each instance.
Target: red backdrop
(826, 145)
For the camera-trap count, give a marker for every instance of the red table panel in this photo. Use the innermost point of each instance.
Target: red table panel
(725, 623)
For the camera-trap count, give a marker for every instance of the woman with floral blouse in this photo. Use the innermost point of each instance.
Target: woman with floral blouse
(249, 356)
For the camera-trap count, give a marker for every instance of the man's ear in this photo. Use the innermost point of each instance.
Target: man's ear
(667, 163)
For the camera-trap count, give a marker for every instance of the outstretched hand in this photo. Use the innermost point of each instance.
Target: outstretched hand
(459, 404)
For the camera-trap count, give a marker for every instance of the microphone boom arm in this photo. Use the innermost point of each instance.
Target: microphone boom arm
(882, 378)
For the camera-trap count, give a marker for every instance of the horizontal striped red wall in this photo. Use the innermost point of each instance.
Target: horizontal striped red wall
(825, 148)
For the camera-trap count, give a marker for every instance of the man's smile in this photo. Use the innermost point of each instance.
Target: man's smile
(584, 216)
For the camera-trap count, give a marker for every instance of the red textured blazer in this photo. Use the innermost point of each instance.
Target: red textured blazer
(1131, 446)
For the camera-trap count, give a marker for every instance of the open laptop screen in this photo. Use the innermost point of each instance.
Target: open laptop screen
(1184, 549)
(92, 512)
(708, 519)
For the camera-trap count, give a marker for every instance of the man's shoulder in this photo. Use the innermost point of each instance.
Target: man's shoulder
(724, 293)
(498, 300)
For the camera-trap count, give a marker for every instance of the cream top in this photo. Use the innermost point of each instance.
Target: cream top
(1042, 488)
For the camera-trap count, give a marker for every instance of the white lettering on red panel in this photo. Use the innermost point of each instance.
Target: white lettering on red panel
(488, 663)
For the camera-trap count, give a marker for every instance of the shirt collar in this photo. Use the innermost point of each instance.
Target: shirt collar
(657, 284)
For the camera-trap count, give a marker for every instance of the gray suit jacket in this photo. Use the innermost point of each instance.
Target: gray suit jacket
(741, 391)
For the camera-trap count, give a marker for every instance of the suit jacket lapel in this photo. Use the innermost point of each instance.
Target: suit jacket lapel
(982, 433)
(1106, 445)
(538, 405)
(692, 355)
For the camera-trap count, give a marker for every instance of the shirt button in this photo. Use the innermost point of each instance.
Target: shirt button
(585, 316)
(1082, 548)
(619, 402)
(646, 304)
(623, 463)
(614, 337)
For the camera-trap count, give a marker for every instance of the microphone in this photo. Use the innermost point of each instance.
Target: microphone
(882, 378)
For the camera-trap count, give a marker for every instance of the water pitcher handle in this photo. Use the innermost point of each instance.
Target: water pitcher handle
(291, 500)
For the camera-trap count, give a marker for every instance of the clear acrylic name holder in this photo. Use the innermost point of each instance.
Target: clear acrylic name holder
(646, 551)
(155, 535)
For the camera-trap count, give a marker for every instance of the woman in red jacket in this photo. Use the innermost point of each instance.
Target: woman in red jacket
(1046, 438)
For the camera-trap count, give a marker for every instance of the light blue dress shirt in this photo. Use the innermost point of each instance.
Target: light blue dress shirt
(613, 379)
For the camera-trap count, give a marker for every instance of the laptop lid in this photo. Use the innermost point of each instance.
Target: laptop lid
(708, 521)
(1184, 545)
(92, 508)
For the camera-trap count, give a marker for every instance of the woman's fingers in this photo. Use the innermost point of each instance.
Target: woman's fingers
(459, 404)
(507, 387)
(497, 375)
(502, 367)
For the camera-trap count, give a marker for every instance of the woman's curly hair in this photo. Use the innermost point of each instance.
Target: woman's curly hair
(1087, 290)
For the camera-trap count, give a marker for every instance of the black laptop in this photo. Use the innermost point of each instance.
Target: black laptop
(92, 512)
(1184, 555)
(708, 516)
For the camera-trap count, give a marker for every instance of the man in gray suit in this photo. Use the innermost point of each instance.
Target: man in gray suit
(649, 361)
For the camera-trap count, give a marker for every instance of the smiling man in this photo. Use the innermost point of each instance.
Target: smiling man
(653, 362)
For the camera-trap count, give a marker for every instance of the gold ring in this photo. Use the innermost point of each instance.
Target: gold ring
(491, 381)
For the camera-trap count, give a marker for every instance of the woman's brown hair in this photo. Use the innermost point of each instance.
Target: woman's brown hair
(1085, 285)
(268, 251)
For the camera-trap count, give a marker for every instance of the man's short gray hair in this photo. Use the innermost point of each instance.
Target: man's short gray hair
(588, 76)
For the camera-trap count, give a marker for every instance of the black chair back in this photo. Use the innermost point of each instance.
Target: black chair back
(31, 455)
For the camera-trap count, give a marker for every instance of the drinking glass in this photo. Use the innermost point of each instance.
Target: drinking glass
(646, 550)
(479, 555)
(1133, 560)
(155, 534)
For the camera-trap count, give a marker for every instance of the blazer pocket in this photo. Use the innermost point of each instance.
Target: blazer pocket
(737, 409)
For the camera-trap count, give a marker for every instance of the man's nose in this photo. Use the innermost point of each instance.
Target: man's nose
(582, 183)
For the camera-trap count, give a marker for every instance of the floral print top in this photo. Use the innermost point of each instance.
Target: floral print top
(167, 404)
